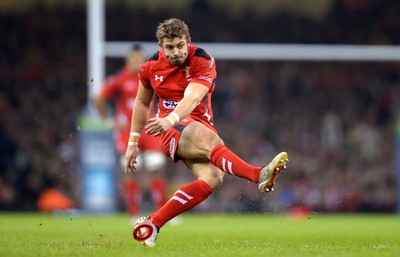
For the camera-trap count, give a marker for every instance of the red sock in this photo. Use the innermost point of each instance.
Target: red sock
(184, 199)
(229, 162)
(132, 197)
(158, 192)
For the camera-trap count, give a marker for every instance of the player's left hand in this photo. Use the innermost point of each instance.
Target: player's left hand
(130, 157)
(157, 126)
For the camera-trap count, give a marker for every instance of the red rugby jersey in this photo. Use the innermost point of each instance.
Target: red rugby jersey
(122, 87)
(169, 82)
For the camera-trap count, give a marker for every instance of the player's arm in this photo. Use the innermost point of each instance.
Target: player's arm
(193, 95)
(141, 109)
(203, 73)
(100, 102)
(140, 114)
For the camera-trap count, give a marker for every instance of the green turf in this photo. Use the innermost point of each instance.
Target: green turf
(216, 235)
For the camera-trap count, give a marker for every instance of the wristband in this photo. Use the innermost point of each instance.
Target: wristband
(173, 118)
(170, 120)
(133, 138)
(134, 134)
(176, 116)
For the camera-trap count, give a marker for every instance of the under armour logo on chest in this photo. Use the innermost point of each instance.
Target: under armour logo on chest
(158, 78)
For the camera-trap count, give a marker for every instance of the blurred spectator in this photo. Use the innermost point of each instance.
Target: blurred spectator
(52, 200)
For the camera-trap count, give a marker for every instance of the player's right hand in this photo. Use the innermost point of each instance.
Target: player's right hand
(157, 126)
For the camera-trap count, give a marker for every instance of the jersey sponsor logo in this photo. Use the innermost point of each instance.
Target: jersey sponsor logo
(158, 78)
(169, 104)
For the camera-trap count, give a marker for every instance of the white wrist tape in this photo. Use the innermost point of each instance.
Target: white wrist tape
(176, 116)
(134, 134)
(170, 120)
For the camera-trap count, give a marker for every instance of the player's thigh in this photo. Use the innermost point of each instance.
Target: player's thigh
(206, 171)
(197, 141)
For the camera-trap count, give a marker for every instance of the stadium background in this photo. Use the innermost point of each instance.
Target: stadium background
(337, 120)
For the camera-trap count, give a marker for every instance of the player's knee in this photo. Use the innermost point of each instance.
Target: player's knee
(214, 179)
(219, 179)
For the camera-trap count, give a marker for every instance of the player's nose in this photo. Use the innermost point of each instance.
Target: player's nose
(175, 52)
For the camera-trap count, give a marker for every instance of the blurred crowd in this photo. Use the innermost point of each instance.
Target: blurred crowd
(337, 120)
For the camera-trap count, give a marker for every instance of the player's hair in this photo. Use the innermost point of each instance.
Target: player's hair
(172, 28)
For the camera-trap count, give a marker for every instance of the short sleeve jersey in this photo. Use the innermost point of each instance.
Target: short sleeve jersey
(121, 87)
(169, 81)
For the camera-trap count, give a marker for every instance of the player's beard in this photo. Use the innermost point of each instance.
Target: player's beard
(177, 61)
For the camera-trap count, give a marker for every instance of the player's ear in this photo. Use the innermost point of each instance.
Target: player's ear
(189, 41)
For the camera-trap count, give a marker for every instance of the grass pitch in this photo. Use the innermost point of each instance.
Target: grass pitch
(219, 235)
